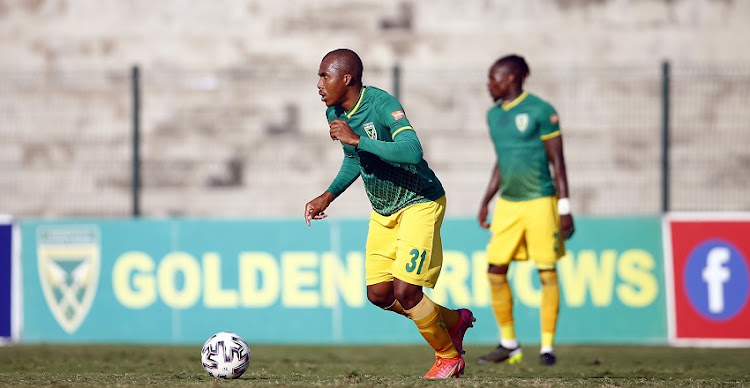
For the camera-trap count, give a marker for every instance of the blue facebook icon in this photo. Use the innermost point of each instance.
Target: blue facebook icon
(716, 279)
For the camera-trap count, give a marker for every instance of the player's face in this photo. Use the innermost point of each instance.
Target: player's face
(331, 83)
(499, 82)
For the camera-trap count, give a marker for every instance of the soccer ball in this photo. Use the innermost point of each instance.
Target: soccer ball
(225, 355)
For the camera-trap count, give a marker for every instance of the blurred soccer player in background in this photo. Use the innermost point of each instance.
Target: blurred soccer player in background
(532, 214)
(403, 252)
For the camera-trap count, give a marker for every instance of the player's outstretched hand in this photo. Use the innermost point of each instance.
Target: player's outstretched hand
(566, 226)
(314, 210)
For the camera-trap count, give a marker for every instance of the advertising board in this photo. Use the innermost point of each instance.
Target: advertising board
(279, 281)
(708, 256)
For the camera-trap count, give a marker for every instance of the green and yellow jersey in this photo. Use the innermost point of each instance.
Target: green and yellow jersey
(518, 129)
(388, 157)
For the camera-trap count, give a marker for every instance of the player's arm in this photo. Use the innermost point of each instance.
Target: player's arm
(405, 147)
(554, 147)
(348, 173)
(492, 188)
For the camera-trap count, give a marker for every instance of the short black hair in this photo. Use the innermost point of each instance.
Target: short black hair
(347, 61)
(515, 64)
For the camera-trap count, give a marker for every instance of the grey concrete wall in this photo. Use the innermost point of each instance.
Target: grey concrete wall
(226, 33)
(232, 125)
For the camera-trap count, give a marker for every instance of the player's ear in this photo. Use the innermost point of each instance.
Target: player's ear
(347, 79)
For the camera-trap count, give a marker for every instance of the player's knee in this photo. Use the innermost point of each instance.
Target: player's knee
(497, 269)
(381, 296)
(408, 295)
(497, 279)
(381, 301)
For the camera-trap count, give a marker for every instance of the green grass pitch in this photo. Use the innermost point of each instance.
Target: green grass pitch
(370, 366)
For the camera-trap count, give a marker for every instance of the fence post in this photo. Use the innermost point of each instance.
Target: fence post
(396, 81)
(136, 178)
(665, 83)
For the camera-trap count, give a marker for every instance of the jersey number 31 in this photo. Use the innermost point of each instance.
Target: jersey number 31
(412, 265)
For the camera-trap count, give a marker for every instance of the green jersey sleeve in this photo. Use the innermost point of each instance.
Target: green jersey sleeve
(405, 146)
(404, 149)
(348, 173)
(391, 114)
(549, 123)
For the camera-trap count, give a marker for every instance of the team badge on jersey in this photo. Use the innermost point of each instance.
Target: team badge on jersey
(370, 130)
(522, 121)
(68, 260)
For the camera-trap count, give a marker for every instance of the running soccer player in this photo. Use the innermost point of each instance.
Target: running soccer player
(532, 214)
(403, 252)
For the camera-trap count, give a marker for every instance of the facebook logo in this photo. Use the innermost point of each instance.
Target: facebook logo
(716, 279)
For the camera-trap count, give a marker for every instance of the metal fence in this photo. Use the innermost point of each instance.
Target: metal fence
(251, 142)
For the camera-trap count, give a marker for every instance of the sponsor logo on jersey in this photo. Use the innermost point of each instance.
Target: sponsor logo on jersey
(554, 119)
(398, 114)
(370, 130)
(522, 121)
(716, 279)
(68, 259)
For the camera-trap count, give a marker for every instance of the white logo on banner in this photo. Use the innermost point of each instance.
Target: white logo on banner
(68, 259)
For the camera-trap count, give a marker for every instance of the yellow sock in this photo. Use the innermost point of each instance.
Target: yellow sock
(548, 340)
(396, 307)
(502, 304)
(426, 314)
(550, 306)
(450, 317)
(507, 332)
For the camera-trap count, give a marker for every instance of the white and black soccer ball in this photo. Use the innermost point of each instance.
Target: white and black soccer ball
(225, 355)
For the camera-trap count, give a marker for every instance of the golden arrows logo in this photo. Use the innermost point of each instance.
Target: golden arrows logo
(68, 260)
(522, 121)
(370, 130)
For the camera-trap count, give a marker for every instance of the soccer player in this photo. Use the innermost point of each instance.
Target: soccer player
(403, 252)
(532, 214)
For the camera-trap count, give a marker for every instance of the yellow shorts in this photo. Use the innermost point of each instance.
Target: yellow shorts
(406, 245)
(526, 230)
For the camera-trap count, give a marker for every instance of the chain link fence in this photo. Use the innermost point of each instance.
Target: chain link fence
(253, 142)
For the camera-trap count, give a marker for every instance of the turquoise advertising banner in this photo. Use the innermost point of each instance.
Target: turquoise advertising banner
(279, 281)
